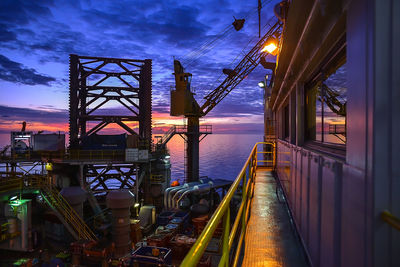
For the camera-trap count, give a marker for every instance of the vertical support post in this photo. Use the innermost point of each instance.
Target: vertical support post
(82, 94)
(274, 155)
(244, 200)
(73, 100)
(299, 114)
(225, 239)
(81, 177)
(192, 151)
(145, 107)
(137, 184)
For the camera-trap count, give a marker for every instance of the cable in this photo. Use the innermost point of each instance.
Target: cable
(192, 56)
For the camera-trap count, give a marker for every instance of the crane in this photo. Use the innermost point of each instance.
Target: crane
(183, 102)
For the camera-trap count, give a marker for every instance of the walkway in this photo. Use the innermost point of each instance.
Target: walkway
(270, 239)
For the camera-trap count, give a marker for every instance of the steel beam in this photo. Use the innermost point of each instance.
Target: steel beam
(92, 81)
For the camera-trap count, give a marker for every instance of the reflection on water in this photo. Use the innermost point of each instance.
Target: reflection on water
(221, 155)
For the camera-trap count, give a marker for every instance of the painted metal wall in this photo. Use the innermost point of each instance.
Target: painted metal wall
(337, 202)
(313, 185)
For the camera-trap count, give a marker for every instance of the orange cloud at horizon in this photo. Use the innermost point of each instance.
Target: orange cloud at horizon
(161, 123)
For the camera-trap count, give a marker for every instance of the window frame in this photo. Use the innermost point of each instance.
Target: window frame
(336, 57)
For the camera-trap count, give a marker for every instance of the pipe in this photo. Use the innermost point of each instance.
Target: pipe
(167, 192)
(197, 189)
(171, 200)
(172, 191)
(184, 188)
(205, 181)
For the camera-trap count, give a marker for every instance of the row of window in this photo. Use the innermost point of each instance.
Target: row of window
(325, 104)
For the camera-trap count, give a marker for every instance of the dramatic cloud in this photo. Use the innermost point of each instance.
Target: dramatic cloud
(36, 38)
(16, 72)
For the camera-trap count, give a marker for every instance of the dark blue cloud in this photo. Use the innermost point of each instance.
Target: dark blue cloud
(50, 115)
(12, 71)
(48, 31)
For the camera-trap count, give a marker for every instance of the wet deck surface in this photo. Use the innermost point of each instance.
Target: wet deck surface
(270, 239)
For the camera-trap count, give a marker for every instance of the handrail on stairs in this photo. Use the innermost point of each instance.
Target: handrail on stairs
(54, 200)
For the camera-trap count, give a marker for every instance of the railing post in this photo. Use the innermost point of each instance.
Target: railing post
(244, 200)
(225, 239)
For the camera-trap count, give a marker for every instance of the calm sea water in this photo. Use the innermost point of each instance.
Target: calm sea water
(221, 155)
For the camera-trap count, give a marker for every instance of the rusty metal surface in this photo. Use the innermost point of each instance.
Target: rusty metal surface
(270, 238)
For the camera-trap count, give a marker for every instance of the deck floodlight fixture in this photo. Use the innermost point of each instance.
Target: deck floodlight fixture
(261, 84)
(271, 46)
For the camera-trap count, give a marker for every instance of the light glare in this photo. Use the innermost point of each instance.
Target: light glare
(270, 48)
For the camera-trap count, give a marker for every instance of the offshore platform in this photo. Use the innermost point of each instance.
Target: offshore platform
(100, 196)
(321, 190)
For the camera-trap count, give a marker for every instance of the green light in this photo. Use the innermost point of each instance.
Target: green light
(18, 202)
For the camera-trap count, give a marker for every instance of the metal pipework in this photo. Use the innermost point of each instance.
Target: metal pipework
(204, 180)
(177, 191)
(195, 189)
(167, 191)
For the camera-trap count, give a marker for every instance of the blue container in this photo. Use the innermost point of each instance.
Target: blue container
(172, 226)
(143, 257)
(165, 217)
(182, 215)
(104, 142)
(176, 220)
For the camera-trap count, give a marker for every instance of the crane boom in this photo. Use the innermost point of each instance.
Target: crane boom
(244, 68)
(184, 103)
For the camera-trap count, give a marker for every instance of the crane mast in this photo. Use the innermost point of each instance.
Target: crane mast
(184, 103)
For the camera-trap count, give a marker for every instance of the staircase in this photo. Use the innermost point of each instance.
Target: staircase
(67, 215)
(167, 136)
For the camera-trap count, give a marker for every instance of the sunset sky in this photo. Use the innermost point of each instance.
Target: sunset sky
(37, 37)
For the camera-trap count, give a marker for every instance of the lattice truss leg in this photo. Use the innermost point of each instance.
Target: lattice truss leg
(106, 91)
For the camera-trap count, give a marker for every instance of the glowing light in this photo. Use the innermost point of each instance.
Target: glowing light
(261, 84)
(49, 166)
(271, 46)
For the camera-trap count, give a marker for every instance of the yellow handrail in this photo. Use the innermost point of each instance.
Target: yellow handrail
(54, 198)
(247, 178)
(391, 219)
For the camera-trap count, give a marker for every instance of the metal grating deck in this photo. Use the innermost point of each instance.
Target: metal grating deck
(270, 239)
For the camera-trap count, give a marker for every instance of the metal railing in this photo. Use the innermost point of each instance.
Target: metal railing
(181, 129)
(245, 180)
(68, 214)
(53, 198)
(73, 154)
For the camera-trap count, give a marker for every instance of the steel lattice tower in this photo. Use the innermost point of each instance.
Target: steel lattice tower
(96, 81)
